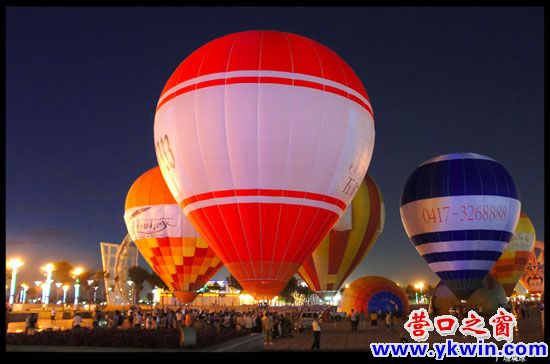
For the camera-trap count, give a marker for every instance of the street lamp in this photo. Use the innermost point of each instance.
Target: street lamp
(48, 268)
(76, 273)
(14, 264)
(58, 285)
(23, 295)
(420, 286)
(65, 289)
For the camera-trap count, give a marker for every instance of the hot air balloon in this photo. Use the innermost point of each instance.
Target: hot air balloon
(263, 138)
(348, 243)
(373, 293)
(532, 278)
(166, 239)
(509, 268)
(460, 210)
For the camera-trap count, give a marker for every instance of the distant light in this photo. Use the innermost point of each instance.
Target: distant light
(90, 281)
(38, 283)
(58, 284)
(347, 285)
(78, 271)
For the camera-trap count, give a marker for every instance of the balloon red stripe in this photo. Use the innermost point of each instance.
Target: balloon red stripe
(263, 192)
(263, 79)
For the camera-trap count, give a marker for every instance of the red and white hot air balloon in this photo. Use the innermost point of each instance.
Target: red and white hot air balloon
(263, 138)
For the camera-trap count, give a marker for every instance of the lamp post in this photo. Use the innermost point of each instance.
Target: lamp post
(76, 273)
(58, 285)
(23, 295)
(48, 268)
(14, 264)
(419, 286)
(65, 289)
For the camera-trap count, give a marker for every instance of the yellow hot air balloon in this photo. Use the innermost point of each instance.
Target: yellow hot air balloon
(348, 243)
(509, 268)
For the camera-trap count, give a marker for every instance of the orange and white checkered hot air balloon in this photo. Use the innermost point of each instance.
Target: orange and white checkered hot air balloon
(348, 243)
(166, 239)
(509, 268)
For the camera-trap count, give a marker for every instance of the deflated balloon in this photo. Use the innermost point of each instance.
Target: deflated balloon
(374, 293)
(166, 239)
(263, 137)
(348, 242)
(460, 211)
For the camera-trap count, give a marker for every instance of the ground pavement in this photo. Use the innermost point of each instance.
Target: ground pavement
(337, 336)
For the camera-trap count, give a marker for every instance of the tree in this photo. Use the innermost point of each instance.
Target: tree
(233, 283)
(291, 287)
(154, 280)
(63, 272)
(138, 276)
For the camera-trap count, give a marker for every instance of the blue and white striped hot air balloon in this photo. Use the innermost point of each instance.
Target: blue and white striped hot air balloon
(460, 211)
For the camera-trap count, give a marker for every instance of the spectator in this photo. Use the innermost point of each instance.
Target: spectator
(362, 321)
(267, 328)
(77, 321)
(316, 327)
(373, 318)
(30, 323)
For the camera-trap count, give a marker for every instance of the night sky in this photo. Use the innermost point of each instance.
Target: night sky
(82, 86)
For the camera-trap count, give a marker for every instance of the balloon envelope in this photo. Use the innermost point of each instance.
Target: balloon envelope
(460, 211)
(263, 137)
(166, 239)
(511, 264)
(373, 293)
(348, 242)
(532, 278)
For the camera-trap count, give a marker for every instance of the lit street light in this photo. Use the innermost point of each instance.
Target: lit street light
(420, 286)
(48, 268)
(65, 289)
(14, 264)
(77, 272)
(23, 295)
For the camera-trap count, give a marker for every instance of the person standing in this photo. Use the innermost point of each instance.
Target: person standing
(362, 321)
(316, 327)
(267, 327)
(373, 318)
(77, 321)
(52, 315)
(388, 320)
(353, 318)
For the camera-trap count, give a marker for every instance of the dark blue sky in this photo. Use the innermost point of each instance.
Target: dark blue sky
(82, 85)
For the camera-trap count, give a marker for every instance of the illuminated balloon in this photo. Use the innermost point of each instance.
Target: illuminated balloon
(166, 239)
(509, 268)
(348, 243)
(460, 211)
(263, 137)
(533, 275)
(374, 293)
